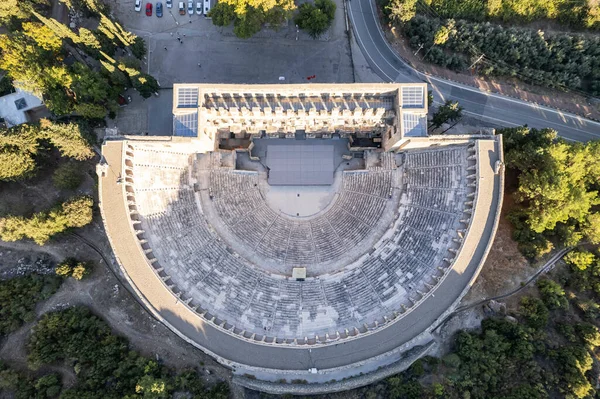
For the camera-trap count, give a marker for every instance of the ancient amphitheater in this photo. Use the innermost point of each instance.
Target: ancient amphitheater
(389, 243)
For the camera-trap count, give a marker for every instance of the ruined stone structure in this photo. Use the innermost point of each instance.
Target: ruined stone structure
(387, 112)
(405, 223)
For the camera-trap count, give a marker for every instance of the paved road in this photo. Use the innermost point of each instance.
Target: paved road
(493, 108)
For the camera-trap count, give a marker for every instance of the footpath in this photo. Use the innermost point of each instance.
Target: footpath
(564, 101)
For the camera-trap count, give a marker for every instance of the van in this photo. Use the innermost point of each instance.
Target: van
(206, 8)
(181, 8)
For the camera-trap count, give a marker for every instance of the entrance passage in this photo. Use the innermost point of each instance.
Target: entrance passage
(307, 164)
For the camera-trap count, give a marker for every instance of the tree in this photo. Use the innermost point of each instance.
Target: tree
(20, 295)
(40, 227)
(248, 16)
(534, 311)
(70, 139)
(591, 228)
(18, 147)
(316, 18)
(451, 111)
(400, 11)
(71, 267)
(248, 24)
(222, 14)
(580, 260)
(552, 294)
(68, 176)
(138, 48)
(146, 85)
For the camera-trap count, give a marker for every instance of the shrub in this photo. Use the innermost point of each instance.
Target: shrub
(71, 267)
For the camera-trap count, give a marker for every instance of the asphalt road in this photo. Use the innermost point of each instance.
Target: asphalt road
(493, 108)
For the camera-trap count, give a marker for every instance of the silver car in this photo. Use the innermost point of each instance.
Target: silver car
(190, 7)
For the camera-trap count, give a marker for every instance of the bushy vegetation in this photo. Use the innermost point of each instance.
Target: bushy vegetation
(71, 267)
(578, 14)
(22, 144)
(40, 227)
(248, 16)
(24, 387)
(37, 53)
(557, 188)
(551, 350)
(105, 366)
(18, 297)
(316, 18)
(562, 61)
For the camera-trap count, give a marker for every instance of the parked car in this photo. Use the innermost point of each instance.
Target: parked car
(159, 9)
(199, 8)
(138, 5)
(206, 8)
(149, 9)
(181, 8)
(190, 7)
(169, 3)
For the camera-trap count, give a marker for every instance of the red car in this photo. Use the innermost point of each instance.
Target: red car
(149, 9)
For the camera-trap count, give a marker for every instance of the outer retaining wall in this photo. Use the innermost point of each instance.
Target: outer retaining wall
(303, 388)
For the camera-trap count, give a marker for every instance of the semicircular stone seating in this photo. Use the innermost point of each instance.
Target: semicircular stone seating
(391, 278)
(359, 207)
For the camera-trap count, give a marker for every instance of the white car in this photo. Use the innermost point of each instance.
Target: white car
(138, 5)
(199, 8)
(206, 7)
(169, 3)
(190, 7)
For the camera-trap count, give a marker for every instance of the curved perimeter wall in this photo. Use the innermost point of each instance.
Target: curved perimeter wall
(123, 224)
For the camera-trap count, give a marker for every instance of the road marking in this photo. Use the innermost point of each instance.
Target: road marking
(366, 52)
(455, 84)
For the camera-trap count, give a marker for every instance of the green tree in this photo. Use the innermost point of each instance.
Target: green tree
(552, 294)
(316, 18)
(534, 311)
(68, 176)
(71, 267)
(400, 11)
(450, 112)
(222, 14)
(70, 139)
(18, 147)
(138, 47)
(580, 260)
(146, 85)
(20, 295)
(76, 212)
(48, 386)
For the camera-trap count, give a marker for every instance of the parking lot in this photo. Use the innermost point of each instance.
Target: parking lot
(210, 54)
